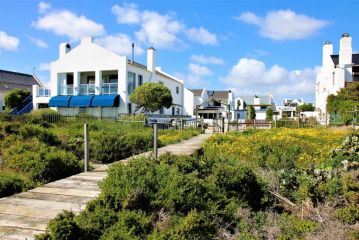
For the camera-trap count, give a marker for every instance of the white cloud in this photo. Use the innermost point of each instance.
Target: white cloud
(202, 36)
(128, 13)
(284, 24)
(66, 23)
(251, 76)
(38, 42)
(196, 74)
(43, 7)
(120, 43)
(8, 42)
(207, 59)
(159, 30)
(44, 66)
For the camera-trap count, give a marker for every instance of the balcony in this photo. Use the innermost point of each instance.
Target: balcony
(109, 88)
(66, 90)
(43, 92)
(87, 89)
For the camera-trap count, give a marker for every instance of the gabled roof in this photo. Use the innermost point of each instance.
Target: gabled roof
(263, 100)
(11, 80)
(197, 92)
(355, 59)
(222, 95)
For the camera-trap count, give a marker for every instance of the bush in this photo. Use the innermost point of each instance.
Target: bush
(11, 183)
(43, 117)
(40, 162)
(110, 147)
(295, 228)
(62, 227)
(131, 225)
(348, 215)
(44, 135)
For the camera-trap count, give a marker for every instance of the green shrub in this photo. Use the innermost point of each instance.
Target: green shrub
(43, 117)
(96, 219)
(131, 225)
(348, 215)
(44, 135)
(62, 227)
(295, 228)
(40, 162)
(110, 147)
(11, 183)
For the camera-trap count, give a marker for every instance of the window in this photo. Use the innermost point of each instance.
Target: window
(129, 108)
(177, 111)
(131, 82)
(173, 110)
(140, 80)
(69, 79)
(177, 90)
(161, 110)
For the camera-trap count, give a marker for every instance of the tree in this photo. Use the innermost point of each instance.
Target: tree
(151, 97)
(238, 104)
(251, 114)
(269, 114)
(15, 97)
(344, 102)
(306, 107)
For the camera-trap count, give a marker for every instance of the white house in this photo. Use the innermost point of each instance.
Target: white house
(259, 103)
(91, 79)
(213, 104)
(337, 71)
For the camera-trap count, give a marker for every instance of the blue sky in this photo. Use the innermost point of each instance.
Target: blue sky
(253, 47)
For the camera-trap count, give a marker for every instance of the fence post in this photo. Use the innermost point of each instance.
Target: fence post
(222, 124)
(182, 124)
(86, 146)
(298, 120)
(155, 140)
(254, 123)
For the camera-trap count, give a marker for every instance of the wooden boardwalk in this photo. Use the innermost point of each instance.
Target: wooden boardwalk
(26, 214)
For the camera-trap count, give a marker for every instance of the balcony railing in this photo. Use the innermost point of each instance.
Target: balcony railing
(87, 89)
(109, 88)
(66, 90)
(43, 92)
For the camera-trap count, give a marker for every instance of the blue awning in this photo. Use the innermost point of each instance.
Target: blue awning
(60, 101)
(81, 101)
(106, 101)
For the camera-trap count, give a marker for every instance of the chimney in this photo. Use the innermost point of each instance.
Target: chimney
(63, 49)
(151, 59)
(345, 51)
(327, 51)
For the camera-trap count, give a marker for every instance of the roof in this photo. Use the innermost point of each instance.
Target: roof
(223, 95)
(11, 80)
(355, 59)
(263, 100)
(196, 92)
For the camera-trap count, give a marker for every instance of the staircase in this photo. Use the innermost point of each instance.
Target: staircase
(26, 106)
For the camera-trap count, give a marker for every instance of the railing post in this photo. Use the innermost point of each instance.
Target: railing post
(254, 123)
(155, 140)
(182, 124)
(86, 147)
(223, 124)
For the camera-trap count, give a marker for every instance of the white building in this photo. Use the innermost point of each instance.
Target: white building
(91, 79)
(337, 71)
(259, 103)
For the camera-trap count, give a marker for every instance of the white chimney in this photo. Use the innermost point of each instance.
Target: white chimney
(63, 49)
(151, 59)
(345, 51)
(327, 51)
